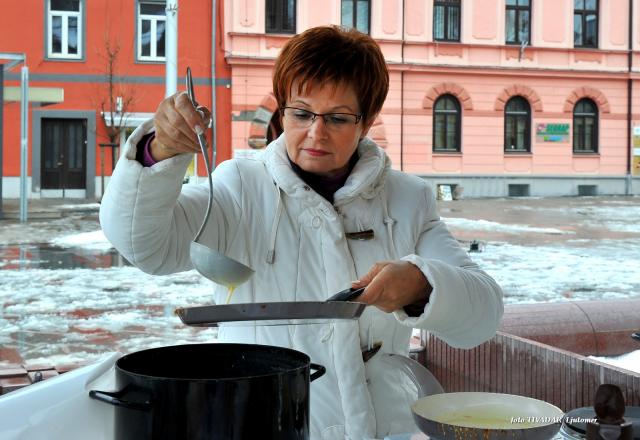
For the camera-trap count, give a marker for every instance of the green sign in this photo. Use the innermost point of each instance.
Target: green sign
(552, 132)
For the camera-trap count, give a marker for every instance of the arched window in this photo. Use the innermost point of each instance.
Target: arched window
(517, 125)
(446, 124)
(585, 127)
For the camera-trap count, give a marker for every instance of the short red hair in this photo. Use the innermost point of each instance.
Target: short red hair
(333, 54)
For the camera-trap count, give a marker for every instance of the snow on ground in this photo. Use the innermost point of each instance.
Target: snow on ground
(94, 240)
(463, 223)
(55, 314)
(79, 207)
(602, 269)
(66, 296)
(629, 361)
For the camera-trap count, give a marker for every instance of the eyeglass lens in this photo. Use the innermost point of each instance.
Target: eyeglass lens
(304, 118)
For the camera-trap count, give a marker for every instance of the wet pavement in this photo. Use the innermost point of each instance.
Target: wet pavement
(569, 219)
(48, 256)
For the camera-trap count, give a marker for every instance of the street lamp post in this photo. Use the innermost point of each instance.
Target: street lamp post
(24, 140)
(15, 59)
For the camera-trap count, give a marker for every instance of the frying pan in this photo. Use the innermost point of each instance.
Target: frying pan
(486, 416)
(339, 306)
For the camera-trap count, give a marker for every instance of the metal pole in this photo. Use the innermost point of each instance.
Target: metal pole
(171, 48)
(214, 111)
(629, 179)
(24, 140)
(101, 171)
(1, 128)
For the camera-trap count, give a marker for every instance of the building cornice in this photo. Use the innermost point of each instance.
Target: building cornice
(239, 60)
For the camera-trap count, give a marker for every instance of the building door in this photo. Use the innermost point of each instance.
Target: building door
(64, 154)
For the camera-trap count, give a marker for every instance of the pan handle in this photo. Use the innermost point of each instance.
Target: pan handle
(347, 294)
(116, 399)
(320, 370)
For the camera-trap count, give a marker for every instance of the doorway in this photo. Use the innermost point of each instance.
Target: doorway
(64, 154)
(275, 127)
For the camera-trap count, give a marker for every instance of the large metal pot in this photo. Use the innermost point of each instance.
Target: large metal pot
(212, 391)
(486, 416)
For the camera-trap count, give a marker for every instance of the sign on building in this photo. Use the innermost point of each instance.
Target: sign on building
(636, 151)
(552, 132)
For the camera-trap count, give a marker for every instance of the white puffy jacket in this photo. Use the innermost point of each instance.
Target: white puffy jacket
(265, 216)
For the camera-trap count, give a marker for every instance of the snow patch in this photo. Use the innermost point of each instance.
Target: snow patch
(629, 361)
(94, 240)
(486, 225)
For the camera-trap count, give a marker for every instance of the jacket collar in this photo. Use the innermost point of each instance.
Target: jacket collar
(365, 179)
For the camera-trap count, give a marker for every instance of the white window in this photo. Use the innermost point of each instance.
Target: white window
(64, 22)
(151, 31)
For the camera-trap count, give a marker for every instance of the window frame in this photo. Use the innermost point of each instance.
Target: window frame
(517, 115)
(278, 29)
(354, 23)
(458, 129)
(596, 128)
(447, 5)
(583, 20)
(151, 59)
(48, 36)
(518, 9)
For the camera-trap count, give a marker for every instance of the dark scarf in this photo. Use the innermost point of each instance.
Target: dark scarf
(325, 186)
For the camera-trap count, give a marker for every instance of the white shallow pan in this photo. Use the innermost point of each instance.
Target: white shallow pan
(486, 416)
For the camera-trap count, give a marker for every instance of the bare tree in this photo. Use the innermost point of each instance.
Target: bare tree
(115, 101)
(119, 99)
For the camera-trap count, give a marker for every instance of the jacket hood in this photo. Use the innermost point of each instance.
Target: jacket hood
(365, 180)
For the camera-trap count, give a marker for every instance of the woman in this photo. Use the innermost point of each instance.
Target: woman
(290, 214)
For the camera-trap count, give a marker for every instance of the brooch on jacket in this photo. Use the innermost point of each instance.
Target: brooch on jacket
(361, 235)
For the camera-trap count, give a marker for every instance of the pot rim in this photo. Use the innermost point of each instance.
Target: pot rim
(129, 373)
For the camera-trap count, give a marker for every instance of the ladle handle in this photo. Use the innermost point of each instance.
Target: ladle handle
(203, 148)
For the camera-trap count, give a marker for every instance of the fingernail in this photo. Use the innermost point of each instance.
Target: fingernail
(198, 129)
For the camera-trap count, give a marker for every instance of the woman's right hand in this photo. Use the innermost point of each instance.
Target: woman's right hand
(176, 123)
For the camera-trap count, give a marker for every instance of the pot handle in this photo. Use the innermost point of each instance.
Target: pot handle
(320, 370)
(116, 399)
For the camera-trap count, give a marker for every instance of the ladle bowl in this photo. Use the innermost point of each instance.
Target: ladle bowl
(210, 263)
(218, 267)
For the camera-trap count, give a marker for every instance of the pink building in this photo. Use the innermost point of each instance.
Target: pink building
(497, 97)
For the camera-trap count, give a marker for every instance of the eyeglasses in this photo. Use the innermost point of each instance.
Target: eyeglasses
(301, 118)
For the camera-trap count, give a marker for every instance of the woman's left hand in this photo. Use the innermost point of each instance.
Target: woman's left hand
(391, 285)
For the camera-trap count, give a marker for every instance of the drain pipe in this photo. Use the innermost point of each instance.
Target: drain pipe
(629, 106)
(1, 132)
(402, 93)
(214, 47)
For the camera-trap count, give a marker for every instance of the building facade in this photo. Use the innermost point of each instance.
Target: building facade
(488, 97)
(96, 70)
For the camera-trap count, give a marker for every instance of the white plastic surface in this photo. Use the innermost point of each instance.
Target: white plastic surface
(60, 408)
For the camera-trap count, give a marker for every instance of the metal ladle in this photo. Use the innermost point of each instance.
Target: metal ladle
(210, 263)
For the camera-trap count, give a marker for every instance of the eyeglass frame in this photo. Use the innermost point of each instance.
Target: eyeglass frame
(315, 115)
